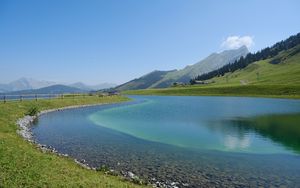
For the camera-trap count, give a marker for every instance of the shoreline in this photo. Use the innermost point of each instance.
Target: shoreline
(288, 97)
(24, 122)
(25, 132)
(24, 163)
(260, 91)
(219, 95)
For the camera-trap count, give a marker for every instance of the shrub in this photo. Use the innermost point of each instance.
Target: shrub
(32, 111)
(103, 168)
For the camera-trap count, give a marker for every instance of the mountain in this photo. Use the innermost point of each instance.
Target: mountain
(162, 79)
(30, 84)
(212, 62)
(54, 89)
(83, 86)
(275, 76)
(272, 71)
(281, 69)
(145, 81)
(4, 88)
(24, 84)
(103, 86)
(269, 52)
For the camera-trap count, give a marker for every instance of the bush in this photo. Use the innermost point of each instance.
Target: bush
(103, 168)
(32, 111)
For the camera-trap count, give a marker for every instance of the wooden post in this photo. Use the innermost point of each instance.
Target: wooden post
(35, 97)
(4, 99)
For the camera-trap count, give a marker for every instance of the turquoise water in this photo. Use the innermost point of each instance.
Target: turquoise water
(198, 122)
(195, 141)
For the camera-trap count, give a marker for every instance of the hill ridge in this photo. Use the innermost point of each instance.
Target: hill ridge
(161, 79)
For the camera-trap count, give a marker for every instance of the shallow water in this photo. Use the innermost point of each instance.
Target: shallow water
(211, 141)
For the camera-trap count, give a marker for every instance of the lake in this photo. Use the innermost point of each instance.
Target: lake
(184, 140)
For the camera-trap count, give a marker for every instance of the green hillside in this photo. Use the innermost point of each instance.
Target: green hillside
(163, 79)
(210, 63)
(283, 69)
(144, 81)
(278, 77)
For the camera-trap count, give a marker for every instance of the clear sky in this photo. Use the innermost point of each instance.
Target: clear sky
(118, 40)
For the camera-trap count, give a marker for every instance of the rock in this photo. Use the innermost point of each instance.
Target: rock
(131, 175)
(81, 164)
(24, 130)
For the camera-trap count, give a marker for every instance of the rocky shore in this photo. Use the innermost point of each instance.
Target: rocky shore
(25, 132)
(25, 122)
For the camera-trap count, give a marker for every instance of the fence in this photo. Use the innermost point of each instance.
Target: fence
(4, 98)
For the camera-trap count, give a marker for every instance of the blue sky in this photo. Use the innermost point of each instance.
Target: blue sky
(118, 40)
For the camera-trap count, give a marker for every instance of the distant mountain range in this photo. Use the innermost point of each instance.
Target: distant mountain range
(83, 86)
(23, 84)
(162, 79)
(54, 89)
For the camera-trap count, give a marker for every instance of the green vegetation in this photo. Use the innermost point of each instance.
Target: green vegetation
(277, 91)
(262, 78)
(23, 165)
(32, 111)
(145, 81)
(286, 73)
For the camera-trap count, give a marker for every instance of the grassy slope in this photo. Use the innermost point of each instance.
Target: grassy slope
(22, 165)
(144, 81)
(274, 80)
(285, 73)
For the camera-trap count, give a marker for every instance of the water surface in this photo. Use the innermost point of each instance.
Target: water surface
(208, 141)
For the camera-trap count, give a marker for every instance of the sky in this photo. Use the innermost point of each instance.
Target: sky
(119, 40)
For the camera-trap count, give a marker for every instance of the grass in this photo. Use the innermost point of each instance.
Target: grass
(261, 79)
(274, 91)
(23, 165)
